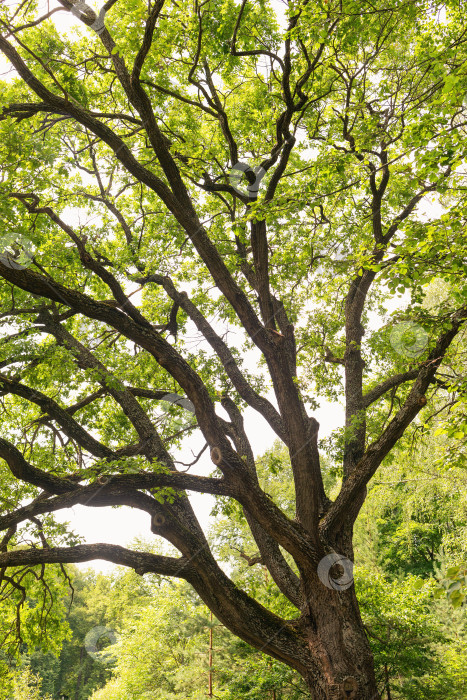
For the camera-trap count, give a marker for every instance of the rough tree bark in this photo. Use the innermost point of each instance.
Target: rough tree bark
(326, 641)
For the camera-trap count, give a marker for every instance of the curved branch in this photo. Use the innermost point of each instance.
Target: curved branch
(102, 131)
(24, 110)
(31, 202)
(261, 52)
(151, 443)
(397, 379)
(142, 562)
(21, 469)
(114, 490)
(71, 428)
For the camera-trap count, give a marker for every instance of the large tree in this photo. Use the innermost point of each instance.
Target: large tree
(183, 183)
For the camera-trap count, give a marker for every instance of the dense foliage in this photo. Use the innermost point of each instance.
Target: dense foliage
(216, 216)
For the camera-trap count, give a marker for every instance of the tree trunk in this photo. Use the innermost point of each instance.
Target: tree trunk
(326, 643)
(210, 658)
(342, 665)
(388, 687)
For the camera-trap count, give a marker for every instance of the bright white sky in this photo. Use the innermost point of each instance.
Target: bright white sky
(122, 525)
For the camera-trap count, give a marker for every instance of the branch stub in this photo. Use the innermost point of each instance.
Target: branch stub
(216, 455)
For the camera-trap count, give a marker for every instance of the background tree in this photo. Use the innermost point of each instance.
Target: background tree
(126, 229)
(76, 672)
(27, 686)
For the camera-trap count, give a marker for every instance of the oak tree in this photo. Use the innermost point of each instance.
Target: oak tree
(185, 183)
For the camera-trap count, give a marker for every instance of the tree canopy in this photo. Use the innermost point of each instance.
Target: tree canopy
(216, 206)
